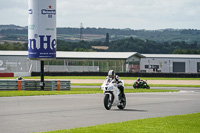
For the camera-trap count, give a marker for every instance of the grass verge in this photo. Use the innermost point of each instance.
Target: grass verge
(189, 123)
(167, 85)
(72, 91)
(151, 85)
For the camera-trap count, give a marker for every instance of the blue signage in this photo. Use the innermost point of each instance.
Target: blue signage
(30, 11)
(45, 48)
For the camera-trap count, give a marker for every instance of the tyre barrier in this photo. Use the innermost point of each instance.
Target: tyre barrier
(31, 85)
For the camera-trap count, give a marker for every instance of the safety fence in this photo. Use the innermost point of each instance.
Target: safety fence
(172, 75)
(32, 85)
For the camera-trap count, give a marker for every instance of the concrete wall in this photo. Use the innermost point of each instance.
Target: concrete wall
(56, 68)
(22, 74)
(15, 64)
(22, 66)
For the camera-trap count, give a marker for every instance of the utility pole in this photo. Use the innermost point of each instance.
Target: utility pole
(42, 84)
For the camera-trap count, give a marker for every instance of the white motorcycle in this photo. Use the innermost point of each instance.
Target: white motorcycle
(113, 96)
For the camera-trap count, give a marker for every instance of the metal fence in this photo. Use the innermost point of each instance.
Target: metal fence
(12, 85)
(34, 85)
(172, 75)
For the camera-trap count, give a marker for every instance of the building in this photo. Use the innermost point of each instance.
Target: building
(170, 63)
(18, 62)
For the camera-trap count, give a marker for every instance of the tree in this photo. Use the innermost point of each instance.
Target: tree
(107, 41)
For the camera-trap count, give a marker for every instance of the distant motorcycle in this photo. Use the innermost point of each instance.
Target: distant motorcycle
(113, 96)
(140, 84)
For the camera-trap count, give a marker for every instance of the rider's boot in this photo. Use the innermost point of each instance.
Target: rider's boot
(121, 96)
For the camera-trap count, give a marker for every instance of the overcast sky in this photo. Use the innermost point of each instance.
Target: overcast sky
(134, 14)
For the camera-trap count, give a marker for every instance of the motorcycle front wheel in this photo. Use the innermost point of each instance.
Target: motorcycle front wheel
(122, 103)
(107, 102)
(148, 87)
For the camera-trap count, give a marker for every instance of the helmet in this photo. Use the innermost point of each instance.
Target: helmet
(138, 79)
(111, 74)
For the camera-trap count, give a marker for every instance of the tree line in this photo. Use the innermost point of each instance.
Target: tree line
(125, 45)
(165, 35)
(153, 47)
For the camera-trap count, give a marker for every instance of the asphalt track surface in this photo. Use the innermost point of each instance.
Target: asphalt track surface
(47, 113)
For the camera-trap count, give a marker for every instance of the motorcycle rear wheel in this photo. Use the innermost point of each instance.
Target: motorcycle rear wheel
(107, 102)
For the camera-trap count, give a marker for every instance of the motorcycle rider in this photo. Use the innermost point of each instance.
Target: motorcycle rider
(139, 80)
(20, 78)
(116, 78)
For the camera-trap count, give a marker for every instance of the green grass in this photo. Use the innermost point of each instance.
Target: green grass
(72, 91)
(100, 77)
(36, 93)
(189, 123)
(167, 85)
(151, 85)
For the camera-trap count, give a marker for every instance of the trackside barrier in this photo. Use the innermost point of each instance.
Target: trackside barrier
(19, 85)
(12, 85)
(61, 85)
(128, 74)
(34, 85)
(58, 85)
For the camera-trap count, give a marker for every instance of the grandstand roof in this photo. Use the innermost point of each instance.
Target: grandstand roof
(185, 56)
(80, 55)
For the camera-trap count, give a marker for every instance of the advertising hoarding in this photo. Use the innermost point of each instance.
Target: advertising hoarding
(42, 29)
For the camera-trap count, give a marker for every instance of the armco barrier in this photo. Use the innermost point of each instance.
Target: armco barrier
(12, 85)
(61, 85)
(34, 85)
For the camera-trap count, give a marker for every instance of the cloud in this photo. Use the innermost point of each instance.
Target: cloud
(136, 14)
(9, 4)
(129, 13)
(14, 12)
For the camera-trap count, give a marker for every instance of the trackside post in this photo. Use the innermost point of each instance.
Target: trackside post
(58, 85)
(19, 85)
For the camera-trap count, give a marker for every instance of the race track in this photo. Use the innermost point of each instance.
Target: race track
(46, 113)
